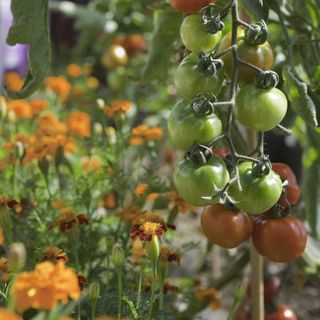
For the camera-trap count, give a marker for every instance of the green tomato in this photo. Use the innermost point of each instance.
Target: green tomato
(186, 127)
(194, 35)
(260, 109)
(194, 181)
(258, 194)
(191, 80)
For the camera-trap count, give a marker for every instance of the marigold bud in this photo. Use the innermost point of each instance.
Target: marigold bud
(16, 257)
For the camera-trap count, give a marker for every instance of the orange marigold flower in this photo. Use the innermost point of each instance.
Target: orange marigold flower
(138, 251)
(58, 204)
(91, 164)
(54, 254)
(1, 236)
(130, 214)
(143, 134)
(166, 253)
(118, 108)
(45, 286)
(149, 225)
(210, 296)
(38, 105)
(110, 200)
(8, 315)
(13, 81)
(179, 203)
(74, 70)
(79, 123)
(140, 189)
(153, 196)
(4, 271)
(60, 85)
(21, 108)
(50, 125)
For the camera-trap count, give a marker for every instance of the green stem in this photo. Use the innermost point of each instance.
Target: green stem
(153, 291)
(15, 178)
(142, 267)
(93, 310)
(119, 275)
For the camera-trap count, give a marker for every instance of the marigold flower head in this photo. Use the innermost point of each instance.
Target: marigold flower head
(131, 214)
(45, 286)
(79, 123)
(140, 189)
(149, 225)
(13, 81)
(38, 105)
(74, 70)
(54, 254)
(168, 287)
(4, 270)
(1, 236)
(179, 203)
(138, 251)
(143, 134)
(8, 315)
(118, 108)
(110, 200)
(166, 253)
(210, 296)
(50, 125)
(91, 164)
(58, 204)
(21, 108)
(60, 85)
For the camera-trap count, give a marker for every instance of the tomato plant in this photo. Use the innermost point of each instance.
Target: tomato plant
(194, 181)
(279, 239)
(188, 6)
(226, 227)
(259, 193)
(186, 126)
(282, 313)
(221, 152)
(258, 55)
(194, 35)
(192, 79)
(292, 190)
(260, 109)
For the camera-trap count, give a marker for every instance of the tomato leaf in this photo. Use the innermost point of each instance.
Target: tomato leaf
(165, 33)
(297, 94)
(256, 8)
(30, 26)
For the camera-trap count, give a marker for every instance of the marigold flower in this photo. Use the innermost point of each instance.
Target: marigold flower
(54, 254)
(110, 200)
(143, 134)
(60, 85)
(91, 164)
(153, 196)
(138, 251)
(8, 315)
(1, 236)
(45, 286)
(79, 123)
(4, 270)
(21, 108)
(168, 287)
(210, 296)
(92, 83)
(118, 108)
(38, 105)
(13, 81)
(130, 214)
(58, 204)
(49, 125)
(74, 70)
(149, 225)
(179, 203)
(166, 253)
(140, 189)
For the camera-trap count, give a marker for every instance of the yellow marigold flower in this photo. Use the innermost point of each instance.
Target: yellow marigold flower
(92, 83)
(131, 214)
(91, 164)
(74, 70)
(140, 189)
(54, 254)
(21, 108)
(143, 134)
(118, 108)
(178, 202)
(44, 287)
(38, 105)
(60, 85)
(13, 81)
(79, 123)
(210, 296)
(8, 315)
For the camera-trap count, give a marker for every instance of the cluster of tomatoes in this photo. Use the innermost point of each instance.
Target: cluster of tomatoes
(250, 189)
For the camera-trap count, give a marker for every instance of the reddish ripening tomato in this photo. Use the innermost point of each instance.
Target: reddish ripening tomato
(271, 287)
(132, 43)
(292, 190)
(188, 6)
(282, 313)
(279, 239)
(226, 227)
(221, 152)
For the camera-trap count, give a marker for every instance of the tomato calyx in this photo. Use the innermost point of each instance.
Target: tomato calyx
(212, 20)
(261, 168)
(267, 79)
(208, 64)
(257, 34)
(203, 105)
(199, 154)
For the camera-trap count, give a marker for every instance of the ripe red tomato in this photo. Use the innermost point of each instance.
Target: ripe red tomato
(132, 43)
(259, 55)
(279, 239)
(292, 190)
(271, 286)
(226, 227)
(282, 313)
(188, 6)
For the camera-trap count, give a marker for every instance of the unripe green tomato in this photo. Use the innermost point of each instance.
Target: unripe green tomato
(258, 194)
(186, 127)
(194, 35)
(190, 80)
(194, 181)
(260, 109)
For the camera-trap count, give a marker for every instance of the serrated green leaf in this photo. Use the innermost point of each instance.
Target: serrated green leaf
(297, 93)
(256, 8)
(30, 26)
(165, 33)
